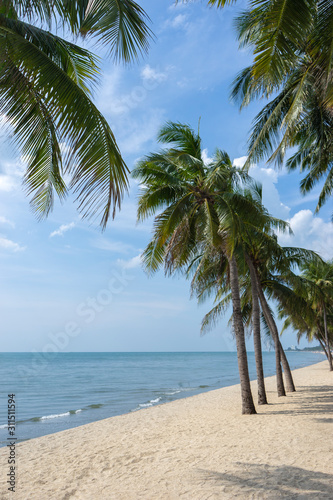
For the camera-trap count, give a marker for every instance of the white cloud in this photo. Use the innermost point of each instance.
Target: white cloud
(149, 73)
(5, 221)
(12, 171)
(205, 158)
(62, 229)
(310, 232)
(239, 162)
(131, 263)
(7, 183)
(10, 245)
(270, 195)
(179, 21)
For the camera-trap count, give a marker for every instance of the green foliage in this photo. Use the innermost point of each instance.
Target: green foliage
(45, 88)
(292, 46)
(307, 299)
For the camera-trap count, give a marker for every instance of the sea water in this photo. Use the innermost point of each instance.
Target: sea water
(55, 392)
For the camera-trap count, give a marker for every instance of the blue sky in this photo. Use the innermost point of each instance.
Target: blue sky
(64, 284)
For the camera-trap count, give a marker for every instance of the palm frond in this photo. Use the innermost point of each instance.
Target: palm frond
(98, 171)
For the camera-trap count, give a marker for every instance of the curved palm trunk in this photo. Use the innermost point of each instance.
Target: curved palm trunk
(328, 347)
(286, 368)
(272, 326)
(248, 407)
(262, 398)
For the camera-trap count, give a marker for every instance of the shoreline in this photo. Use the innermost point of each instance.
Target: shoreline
(193, 448)
(111, 401)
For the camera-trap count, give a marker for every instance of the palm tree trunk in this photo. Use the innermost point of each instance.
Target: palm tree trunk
(248, 407)
(323, 346)
(272, 326)
(328, 347)
(287, 372)
(262, 398)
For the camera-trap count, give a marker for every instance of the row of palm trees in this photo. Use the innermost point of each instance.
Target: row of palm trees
(210, 224)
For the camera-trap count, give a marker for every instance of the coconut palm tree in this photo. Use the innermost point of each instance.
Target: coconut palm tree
(298, 117)
(45, 94)
(298, 314)
(211, 277)
(292, 56)
(201, 205)
(319, 278)
(208, 278)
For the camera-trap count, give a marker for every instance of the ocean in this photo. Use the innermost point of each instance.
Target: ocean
(54, 392)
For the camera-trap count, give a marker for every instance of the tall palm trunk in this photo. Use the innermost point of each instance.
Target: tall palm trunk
(323, 347)
(286, 368)
(262, 398)
(328, 347)
(248, 407)
(271, 324)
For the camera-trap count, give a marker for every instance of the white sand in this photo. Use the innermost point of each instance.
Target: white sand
(195, 448)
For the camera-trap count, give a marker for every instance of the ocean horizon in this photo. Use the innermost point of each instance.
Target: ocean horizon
(59, 391)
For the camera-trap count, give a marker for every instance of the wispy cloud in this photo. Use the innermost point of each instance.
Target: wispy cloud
(149, 73)
(141, 130)
(131, 263)
(7, 183)
(10, 245)
(113, 246)
(62, 229)
(6, 222)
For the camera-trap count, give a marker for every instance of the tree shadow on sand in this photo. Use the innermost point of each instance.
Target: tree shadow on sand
(272, 482)
(313, 400)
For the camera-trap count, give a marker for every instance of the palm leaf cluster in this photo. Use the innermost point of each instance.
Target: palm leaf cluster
(307, 305)
(45, 95)
(292, 42)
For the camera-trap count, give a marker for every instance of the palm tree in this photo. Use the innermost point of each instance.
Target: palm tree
(200, 206)
(298, 117)
(297, 313)
(292, 48)
(257, 250)
(45, 93)
(211, 276)
(319, 275)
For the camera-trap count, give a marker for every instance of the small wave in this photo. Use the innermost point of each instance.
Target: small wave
(73, 412)
(99, 405)
(47, 417)
(4, 426)
(145, 405)
(172, 393)
(155, 400)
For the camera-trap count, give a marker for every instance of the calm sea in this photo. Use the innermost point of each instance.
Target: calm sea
(59, 391)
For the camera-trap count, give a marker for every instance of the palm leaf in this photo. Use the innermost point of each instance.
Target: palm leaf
(94, 161)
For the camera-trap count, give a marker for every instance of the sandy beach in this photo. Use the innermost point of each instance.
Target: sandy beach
(196, 448)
